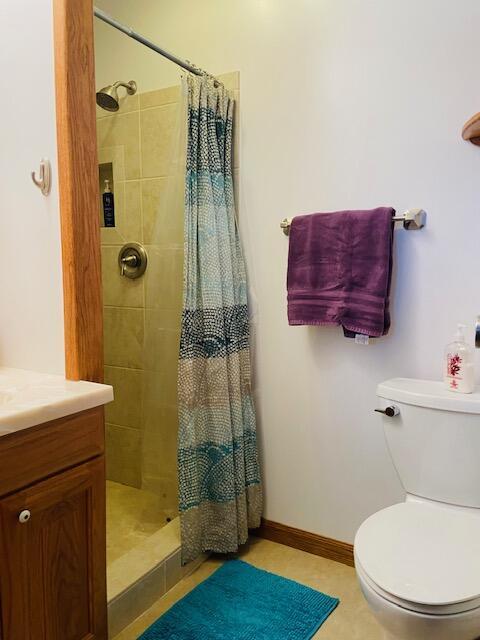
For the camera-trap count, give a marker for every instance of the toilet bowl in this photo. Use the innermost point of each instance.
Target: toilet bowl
(418, 565)
(418, 562)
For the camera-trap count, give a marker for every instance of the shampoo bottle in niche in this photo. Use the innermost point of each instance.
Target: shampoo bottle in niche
(458, 373)
(108, 206)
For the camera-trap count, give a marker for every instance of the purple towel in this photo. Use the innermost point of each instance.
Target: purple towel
(339, 270)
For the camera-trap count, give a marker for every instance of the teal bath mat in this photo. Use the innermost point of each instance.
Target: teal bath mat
(240, 602)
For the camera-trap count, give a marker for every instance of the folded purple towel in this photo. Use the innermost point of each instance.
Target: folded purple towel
(339, 270)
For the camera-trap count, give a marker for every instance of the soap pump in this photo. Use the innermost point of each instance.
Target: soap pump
(458, 366)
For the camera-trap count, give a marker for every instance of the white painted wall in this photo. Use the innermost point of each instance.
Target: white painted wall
(31, 295)
(344, 104)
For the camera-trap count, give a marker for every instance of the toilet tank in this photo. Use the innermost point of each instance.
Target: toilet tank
(434, 440)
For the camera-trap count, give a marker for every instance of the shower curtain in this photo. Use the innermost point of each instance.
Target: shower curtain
(220, 492)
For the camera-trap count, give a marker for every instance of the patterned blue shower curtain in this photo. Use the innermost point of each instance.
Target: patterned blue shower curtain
(220, 490)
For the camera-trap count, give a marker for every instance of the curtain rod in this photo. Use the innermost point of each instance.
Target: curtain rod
(148, 43)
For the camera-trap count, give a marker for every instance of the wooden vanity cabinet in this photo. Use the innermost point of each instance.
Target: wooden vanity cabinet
(52, 532)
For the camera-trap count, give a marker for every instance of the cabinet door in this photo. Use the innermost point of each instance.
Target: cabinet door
(53, 576)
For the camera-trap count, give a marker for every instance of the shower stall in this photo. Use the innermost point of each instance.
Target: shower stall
(141, 157)
(142, 256)
(139, 152)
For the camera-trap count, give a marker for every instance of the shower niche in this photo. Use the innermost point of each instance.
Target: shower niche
(105, 177)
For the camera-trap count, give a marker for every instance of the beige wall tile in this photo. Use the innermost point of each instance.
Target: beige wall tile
(123, 455)
(158, 137)
(123, 337)
(173, 570)
(160, 97)
(131, 226)
(115, 155)
(236, 189)
(164, 278)
(126, 409)
(119, 291)
(163, 211)
(161, 345)
(130, 569)
(160, 391)
(236, 131)
(166, 488)
(132, 602)
(165, 318)
(230, 80)
(160, 443)
(122, 130)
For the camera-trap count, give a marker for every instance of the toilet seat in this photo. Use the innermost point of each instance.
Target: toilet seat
(436, 610)
(421, 556)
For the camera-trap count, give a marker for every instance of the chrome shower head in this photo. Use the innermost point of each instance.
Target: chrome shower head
(107, 98)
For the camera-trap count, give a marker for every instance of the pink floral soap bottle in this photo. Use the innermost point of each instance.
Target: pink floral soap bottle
(458, 374)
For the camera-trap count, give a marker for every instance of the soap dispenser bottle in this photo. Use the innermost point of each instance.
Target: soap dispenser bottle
(108, 206)
(458, 367)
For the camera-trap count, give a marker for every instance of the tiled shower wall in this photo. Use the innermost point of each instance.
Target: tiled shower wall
(144, 314)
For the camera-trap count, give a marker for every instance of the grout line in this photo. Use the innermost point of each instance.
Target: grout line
(120, 114)
(159, 177)
(114, 306)
(123, 426)
(159, 106)
(117, 366)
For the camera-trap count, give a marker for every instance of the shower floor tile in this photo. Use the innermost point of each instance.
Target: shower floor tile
(133, 515)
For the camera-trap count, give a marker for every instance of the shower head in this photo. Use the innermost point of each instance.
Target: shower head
(107, 98)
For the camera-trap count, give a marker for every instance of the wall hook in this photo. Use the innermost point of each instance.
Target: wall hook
(43, 182)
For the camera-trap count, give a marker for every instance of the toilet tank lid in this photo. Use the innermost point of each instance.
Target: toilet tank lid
(428, 393)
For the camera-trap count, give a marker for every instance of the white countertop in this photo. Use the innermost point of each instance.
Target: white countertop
(28, 398)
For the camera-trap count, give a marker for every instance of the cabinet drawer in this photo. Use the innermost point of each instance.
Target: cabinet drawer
(38, 452)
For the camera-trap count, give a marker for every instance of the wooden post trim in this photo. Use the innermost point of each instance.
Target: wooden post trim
(78, 188)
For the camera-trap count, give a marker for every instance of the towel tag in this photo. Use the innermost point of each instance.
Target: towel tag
(361, 338)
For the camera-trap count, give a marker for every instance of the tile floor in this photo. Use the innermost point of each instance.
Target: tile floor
(133, 516)
(351, 620)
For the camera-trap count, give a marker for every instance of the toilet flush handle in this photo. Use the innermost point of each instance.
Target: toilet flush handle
(391, 412)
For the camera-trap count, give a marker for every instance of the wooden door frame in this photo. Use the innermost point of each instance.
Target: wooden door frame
(78, 188)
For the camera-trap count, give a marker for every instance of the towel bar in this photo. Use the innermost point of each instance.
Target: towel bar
(413, 219)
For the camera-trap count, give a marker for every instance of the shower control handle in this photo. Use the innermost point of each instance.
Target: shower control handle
(128, 261)
(132, 260)
(391, 411)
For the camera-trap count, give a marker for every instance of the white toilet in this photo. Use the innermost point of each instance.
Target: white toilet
(418, 562)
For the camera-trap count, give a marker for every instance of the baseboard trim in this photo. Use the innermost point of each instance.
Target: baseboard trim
(306, 541)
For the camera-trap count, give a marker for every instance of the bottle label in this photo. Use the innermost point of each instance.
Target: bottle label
(108, 210)
(454, 369)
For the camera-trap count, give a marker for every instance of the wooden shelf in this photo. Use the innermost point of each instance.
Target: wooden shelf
(471, 130)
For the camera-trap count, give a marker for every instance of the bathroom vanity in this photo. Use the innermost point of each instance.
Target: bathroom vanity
(52, 508)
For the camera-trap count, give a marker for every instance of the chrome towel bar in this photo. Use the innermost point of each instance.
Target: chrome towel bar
(413, 219)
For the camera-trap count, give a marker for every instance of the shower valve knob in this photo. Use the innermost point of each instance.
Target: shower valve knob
(132, 260)
(391, 412)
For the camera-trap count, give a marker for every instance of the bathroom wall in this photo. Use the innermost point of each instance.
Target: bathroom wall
(31, 290)
(140, 314)
(345, 103)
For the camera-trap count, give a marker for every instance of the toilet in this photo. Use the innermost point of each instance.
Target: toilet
(418, 562)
